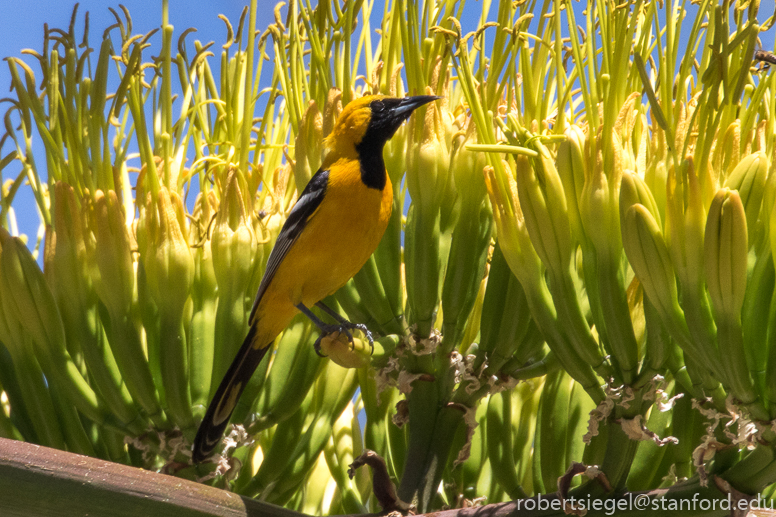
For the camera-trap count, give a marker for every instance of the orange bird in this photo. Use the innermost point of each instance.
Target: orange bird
(330, 233)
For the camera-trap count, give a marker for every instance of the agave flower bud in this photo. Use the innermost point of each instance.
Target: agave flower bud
(725, 253)
(29, 307)
(168, 262)
(233, 243)
(597, 206)
(725, 260)
(395, 150)
(113, 253)
(571, 169)
(31, 302)
(633, 190)
(655, 177)
(467, 169)
(544, 207)
(169, 268)
(648, 256)
(331, 110)
(427, 175)
(519, 253)
(428, 157)
(204, 302)
(67, 250)
(622, 137)
(510, 223)
(308, 145)
(343, 447)
(115, 286)
(469, 247)
(748, 178)
(234, 249)
(685, 222)
(346, 354)
(727, 152)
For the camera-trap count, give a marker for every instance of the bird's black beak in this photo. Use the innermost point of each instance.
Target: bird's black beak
(407, 105)
(389, 113)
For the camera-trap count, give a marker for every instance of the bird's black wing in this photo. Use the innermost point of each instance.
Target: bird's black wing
(236, 379)
(305, 207)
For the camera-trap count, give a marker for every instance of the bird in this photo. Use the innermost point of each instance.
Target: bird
(332, 230)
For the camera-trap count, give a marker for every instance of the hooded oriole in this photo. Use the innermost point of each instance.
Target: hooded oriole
(331, 231)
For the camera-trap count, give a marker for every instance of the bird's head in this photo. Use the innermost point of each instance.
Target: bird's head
(365, 124)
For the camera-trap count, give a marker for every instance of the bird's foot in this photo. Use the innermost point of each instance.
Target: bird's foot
(344, 327)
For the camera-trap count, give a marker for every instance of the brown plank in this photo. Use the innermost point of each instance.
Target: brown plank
(39, 481)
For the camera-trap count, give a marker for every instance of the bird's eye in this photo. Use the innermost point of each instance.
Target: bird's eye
(377, 106)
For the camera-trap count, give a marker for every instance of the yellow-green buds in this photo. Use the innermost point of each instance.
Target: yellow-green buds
(169, 267)
(30, 311)
(112, 253)
(235, 250)
(725, 261)
(166, 257)
(597, 206)
(510, 222)
(571, 169)
(66, 262)
(428, 156)
(346, 354)
(544, 207)
(427, 180)
(309, 142)
(233, 244)
(649, 258)
(748, 178)
(27, 299)
(725, 253)
(633, 190)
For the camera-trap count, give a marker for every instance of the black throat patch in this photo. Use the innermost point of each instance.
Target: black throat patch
(370, 156)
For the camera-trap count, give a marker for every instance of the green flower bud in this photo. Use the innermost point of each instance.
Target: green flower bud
(467, 169)
(510, 223)
(655, 177)
(235, 251)
(168, 262)
(648, 256)
(428, 157)
(685, 221)
(27, 299)
(544, 206)
(113, 253)
(748, 178)
(233, 244)
(597, 207)
(725, 253)
(31, 312)
(346, 354)
(725, 260)
(571, 169)
(308, 145)
(69, 255)
(633, 190)
(727, 152)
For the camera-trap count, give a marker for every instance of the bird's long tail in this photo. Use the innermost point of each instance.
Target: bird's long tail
(221, 407)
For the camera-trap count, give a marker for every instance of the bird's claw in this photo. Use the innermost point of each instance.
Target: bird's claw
(317, 346)
(344, 328)
(366, 331)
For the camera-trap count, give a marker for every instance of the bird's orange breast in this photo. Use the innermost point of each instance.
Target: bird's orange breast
(338, 239)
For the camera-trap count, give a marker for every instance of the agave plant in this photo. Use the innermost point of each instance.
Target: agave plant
(578, 276)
